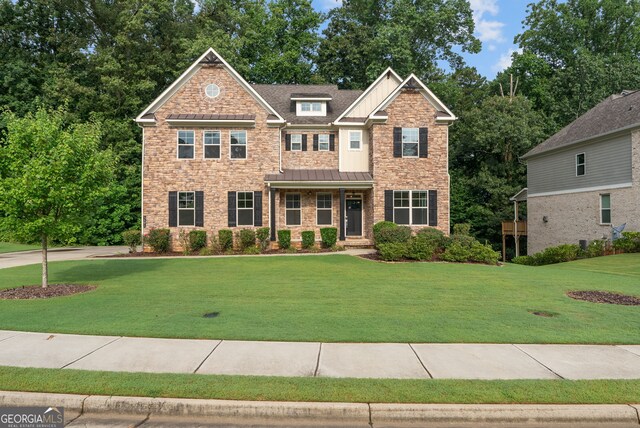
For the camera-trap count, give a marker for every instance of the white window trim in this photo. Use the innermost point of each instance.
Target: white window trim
(186, 145)
(286, 210)
(291, 139)
(253, 204)
(204, 145)
(178, 209)
(324, 209)
(210, 96)
(410, 207)
(359, 131)
(601, 209)
(246, 144)
(583, 164)
(322, 112)
(402, 143)
(328, 143)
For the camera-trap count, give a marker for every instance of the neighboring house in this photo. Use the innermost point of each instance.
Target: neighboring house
(219, 152)
(586, 178)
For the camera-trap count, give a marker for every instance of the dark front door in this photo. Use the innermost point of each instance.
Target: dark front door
(354, 217)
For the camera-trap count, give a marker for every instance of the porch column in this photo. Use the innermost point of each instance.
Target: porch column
(272, 212)
(342, 214)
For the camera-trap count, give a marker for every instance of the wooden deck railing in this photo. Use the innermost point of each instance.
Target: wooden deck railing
(508, 228)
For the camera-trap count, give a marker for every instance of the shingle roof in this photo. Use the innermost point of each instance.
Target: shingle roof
(614, 113)
(309, 95)
(211, 116)
(318, 175)
(279, 97)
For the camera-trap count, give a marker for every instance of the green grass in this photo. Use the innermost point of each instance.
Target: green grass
(336, 298)
(9, 247)
(319, 389)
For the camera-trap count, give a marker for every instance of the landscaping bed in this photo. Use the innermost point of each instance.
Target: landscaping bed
(605, 297)
(37, 292)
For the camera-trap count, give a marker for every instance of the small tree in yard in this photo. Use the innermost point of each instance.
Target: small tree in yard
(52, 177)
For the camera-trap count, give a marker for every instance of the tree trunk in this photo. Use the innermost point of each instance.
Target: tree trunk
(45, 267)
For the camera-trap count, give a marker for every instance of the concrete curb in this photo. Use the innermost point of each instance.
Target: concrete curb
(344, 413)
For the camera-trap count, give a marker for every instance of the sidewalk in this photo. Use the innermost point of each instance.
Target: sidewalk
(23, 258)
(312, 359)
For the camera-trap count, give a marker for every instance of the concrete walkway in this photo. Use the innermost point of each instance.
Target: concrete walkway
(23, 258)
(337, 360)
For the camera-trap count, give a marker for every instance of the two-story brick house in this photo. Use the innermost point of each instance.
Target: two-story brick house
(219, 152)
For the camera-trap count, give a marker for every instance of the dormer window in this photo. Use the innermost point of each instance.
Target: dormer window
(311, 104)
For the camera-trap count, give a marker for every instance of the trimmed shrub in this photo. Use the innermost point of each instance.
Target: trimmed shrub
(559, 254)
(380, 226)
(483, 253)
(524, 260)
(284, 239)
(463, 229)
(308, 239)
(435, 236)
(596, 248)
(629, 242)
(246, 239)
(422, 247)
(456, 252)
(394, 235)
(159, 240)
(329, 236)
(392, 251)
(132, 239)
(262, 234)
(225, 239)
(197, 240)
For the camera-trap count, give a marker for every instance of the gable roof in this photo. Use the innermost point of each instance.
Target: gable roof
(618, 112)
(412, 82)
(209, 57)
(279, 96)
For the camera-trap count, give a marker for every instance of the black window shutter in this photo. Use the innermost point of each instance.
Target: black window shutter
(315, 142)
(433, 207)
(231, 208)
(388, 205)
(199, 208)
(257, 209)
(423, 145)
(173, 209)
(287, 142)
(332, 142)
(397, 142)
(304, 142)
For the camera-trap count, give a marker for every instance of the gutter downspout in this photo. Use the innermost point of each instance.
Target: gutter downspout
(280, 129)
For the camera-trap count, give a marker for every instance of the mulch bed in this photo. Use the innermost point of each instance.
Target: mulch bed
(605, 297)
(235, 253)
(29, 292)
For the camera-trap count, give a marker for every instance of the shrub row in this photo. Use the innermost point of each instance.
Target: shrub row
(397, 243)
(561, 253)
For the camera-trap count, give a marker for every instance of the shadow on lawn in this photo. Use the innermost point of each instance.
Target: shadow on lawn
(99, 270)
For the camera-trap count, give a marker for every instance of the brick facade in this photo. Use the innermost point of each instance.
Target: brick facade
(163, 172)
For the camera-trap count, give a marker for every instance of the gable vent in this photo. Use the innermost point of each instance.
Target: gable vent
(211, 58)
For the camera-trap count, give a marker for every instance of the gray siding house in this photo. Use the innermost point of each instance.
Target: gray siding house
(586, 178)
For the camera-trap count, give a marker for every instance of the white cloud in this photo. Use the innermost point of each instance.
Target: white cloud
(326, 5)
(505, 60)
(492, 48)
(486, 29)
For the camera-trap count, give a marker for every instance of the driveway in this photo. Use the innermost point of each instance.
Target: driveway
(23, 258)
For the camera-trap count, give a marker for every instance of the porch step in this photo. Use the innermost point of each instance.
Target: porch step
(357, 243)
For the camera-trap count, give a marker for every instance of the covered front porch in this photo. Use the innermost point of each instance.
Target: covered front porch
(301, 200)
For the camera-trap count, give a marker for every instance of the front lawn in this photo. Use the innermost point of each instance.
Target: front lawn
(332, 298)
(320, 389)
(10, 247)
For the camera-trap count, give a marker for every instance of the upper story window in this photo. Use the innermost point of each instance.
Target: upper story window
(238, 144)
(323, 142)
(212, 90)
(311, 108)
(211, 141)
(410, 142)
(355, 140)
(296, 142)
(186, 144)
(581, 164)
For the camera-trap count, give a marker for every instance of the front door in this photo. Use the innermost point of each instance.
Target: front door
(354, 217)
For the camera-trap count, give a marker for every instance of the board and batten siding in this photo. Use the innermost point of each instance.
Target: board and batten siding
(375, 97)
(608, 163)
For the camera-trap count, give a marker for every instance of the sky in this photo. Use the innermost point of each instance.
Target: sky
(497, 22)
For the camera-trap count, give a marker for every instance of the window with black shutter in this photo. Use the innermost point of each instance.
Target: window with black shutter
(304, 142)
(332, 142)
(433, 207)
(423, 143)
(231, 209)
(257, 209)
(173, 209)
(315, 142)
(397, 142)
(199, 209)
